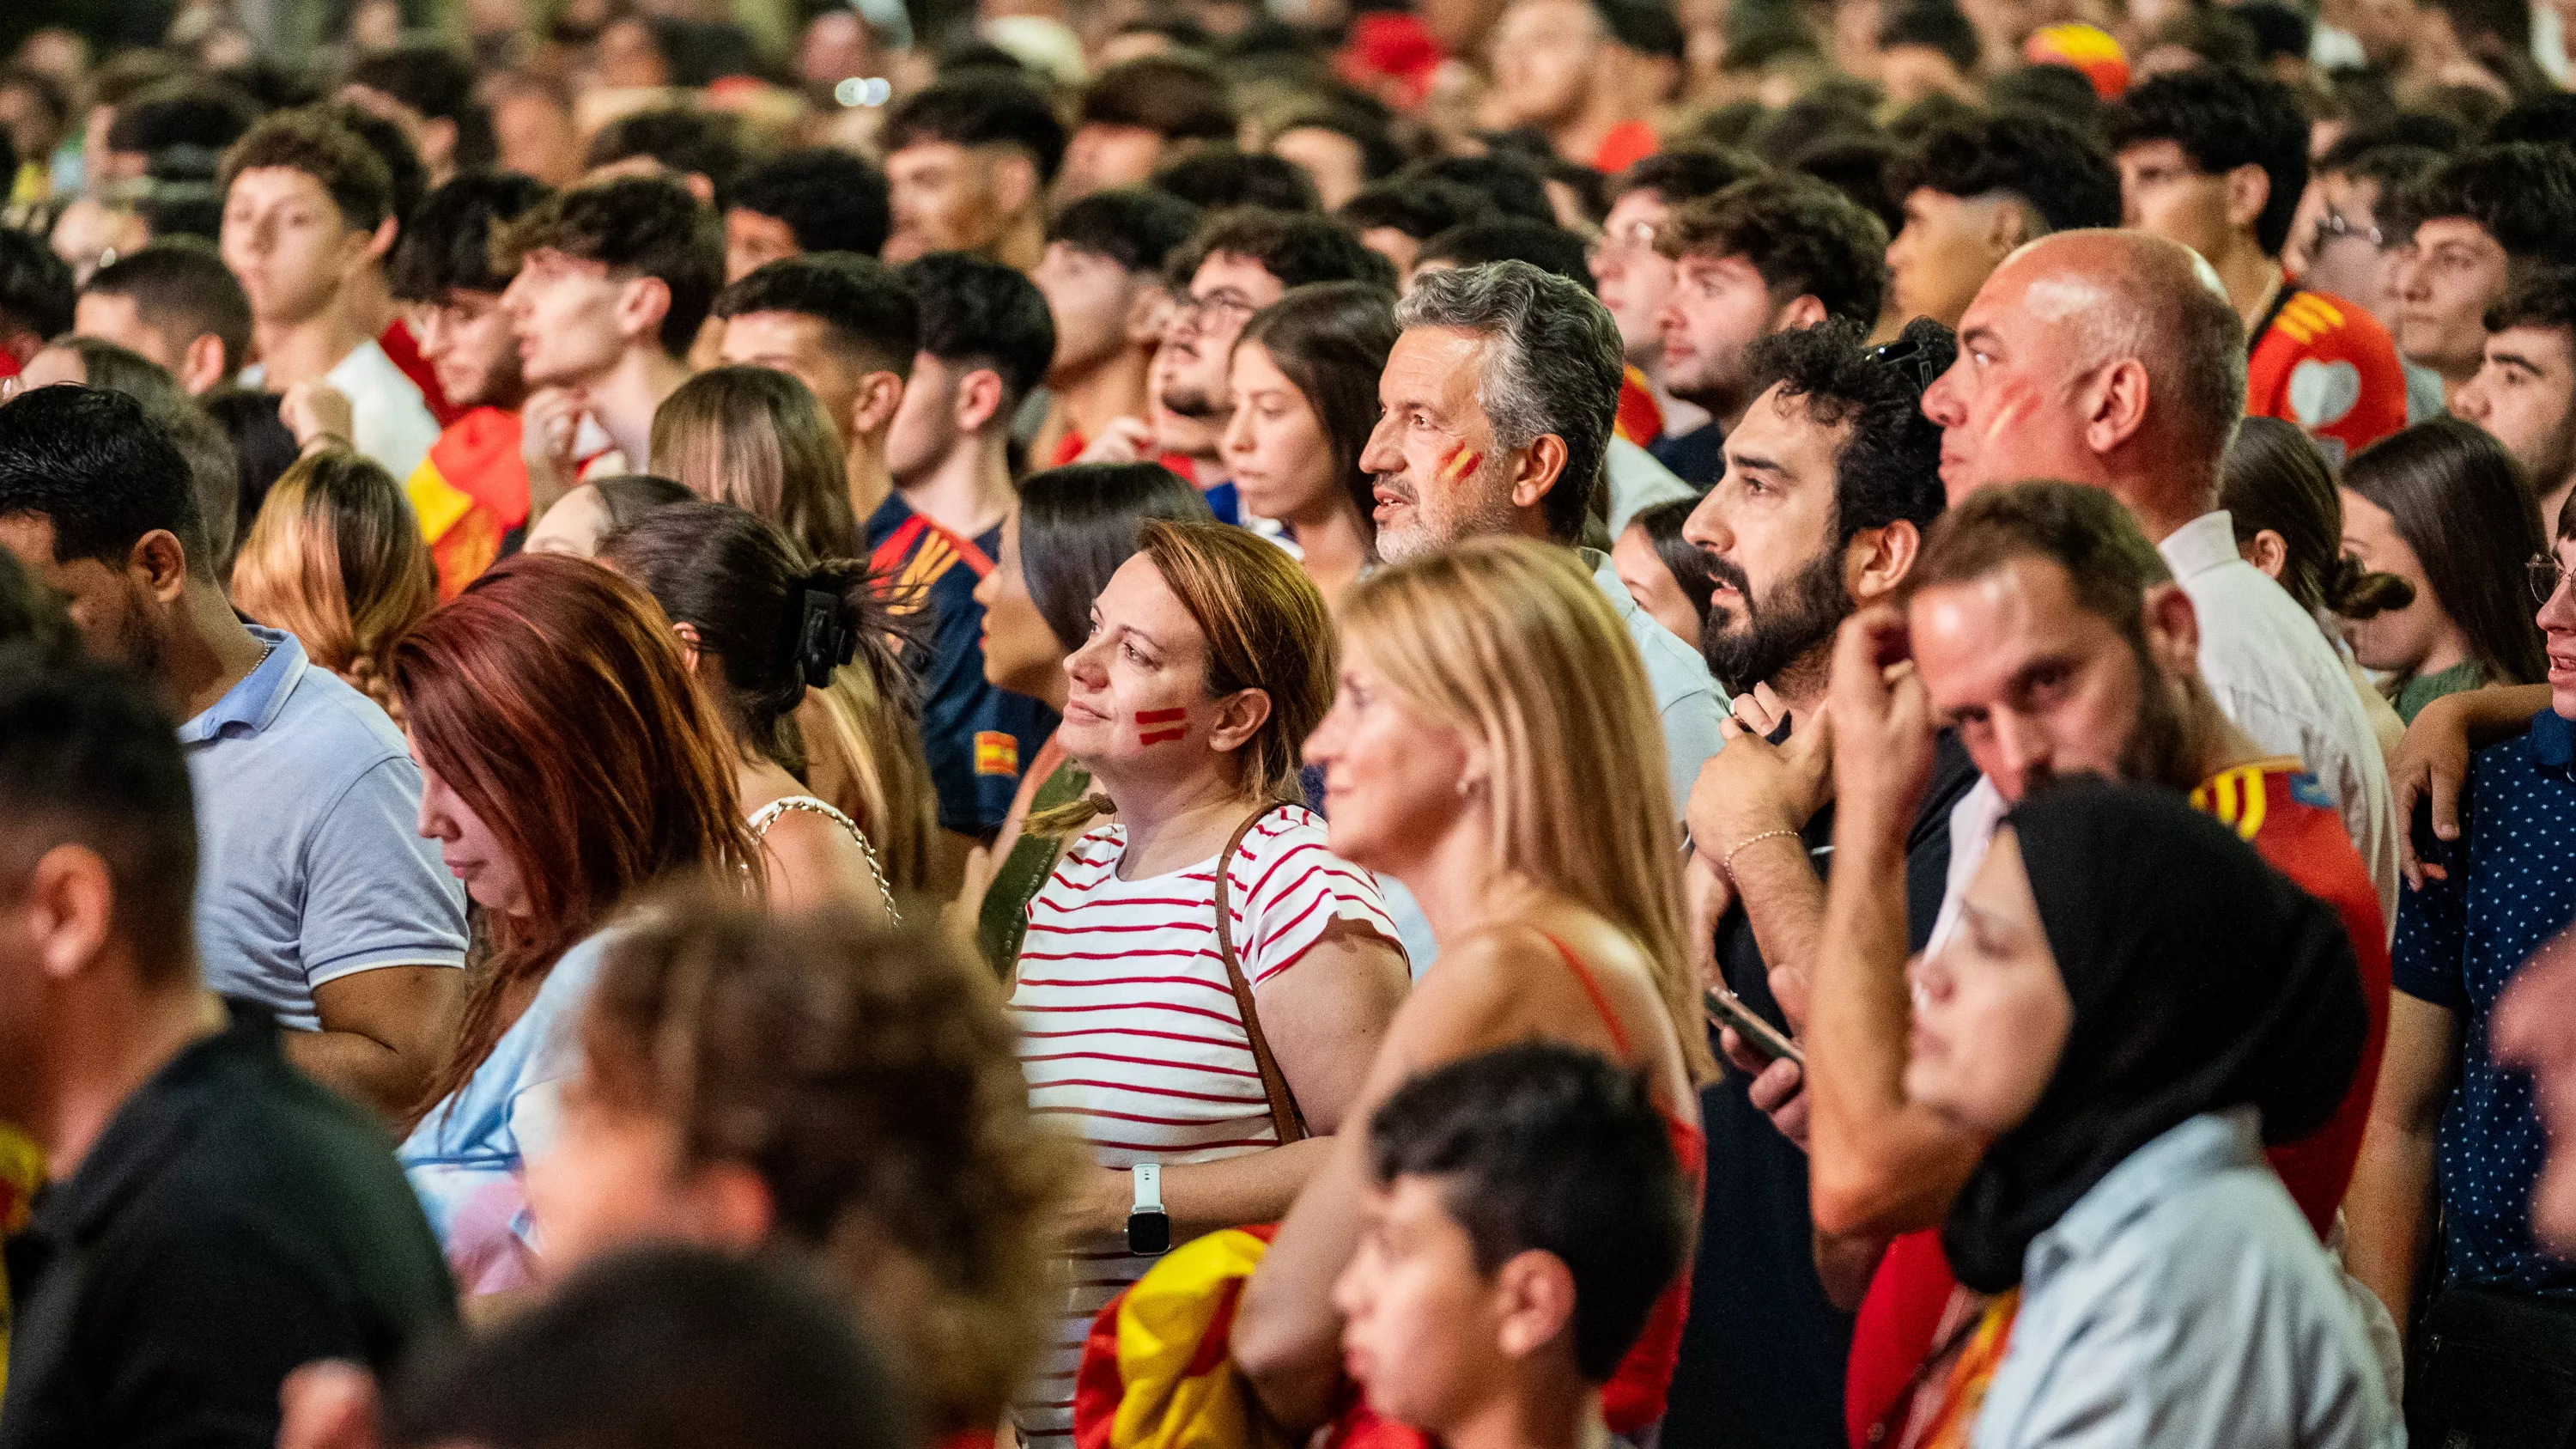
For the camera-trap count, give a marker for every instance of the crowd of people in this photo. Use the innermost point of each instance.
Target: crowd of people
(1106, 724)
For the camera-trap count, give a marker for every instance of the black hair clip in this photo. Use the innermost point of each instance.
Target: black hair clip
(823, 641)
(1906, 350)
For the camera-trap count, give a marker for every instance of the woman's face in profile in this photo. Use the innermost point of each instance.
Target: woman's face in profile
(1394, 782)
(1991, 1013)
(574, 526)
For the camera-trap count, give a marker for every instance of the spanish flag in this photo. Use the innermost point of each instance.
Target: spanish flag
(470, 492)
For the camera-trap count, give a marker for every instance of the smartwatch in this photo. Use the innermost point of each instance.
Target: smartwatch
(1149, 1228)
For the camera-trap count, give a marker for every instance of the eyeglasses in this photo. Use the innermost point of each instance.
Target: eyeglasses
(2545, 576)
(1911, 355)
(1635, 239)
(1194, 311)
(2335, 226)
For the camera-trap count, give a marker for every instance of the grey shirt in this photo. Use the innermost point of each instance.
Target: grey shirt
(310, 862)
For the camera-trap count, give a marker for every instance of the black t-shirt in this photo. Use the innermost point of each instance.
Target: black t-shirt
(1762, 1357)
(232, 1222)
(1697, 457)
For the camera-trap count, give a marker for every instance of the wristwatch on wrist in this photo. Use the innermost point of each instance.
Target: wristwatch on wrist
(1149, 1228)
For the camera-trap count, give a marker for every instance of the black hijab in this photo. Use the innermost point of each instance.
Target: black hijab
(2202, 979)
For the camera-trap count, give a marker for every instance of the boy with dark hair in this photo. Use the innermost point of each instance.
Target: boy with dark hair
(428, 90)
(985, 341)
(308, 208)
(1394, 218)
(1547, 247)
(369, 301)
(178, 128)
(1135, 114)
(2344, 239)
(176, 303)
(1974, 190)
(1103, 282)
(613, 280)
(818, 199)
(1764, 255)
(1525, 1211)
(1341, 147)
(1512, 184)
(1216, 180)
(2524, 391)
(701, 150)
(2458, 232)
(471, 492)
(847, 327)
(320, 902)
(1634, 281)
(1587, 75)
(968, 163)
(1237, 264)
(2217, 161)
(36, 298)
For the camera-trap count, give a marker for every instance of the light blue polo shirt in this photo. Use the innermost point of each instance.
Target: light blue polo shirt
(310, 863)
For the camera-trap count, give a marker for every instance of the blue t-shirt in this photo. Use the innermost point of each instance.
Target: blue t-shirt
(2512, 886)
(975, 734)
(310, 864)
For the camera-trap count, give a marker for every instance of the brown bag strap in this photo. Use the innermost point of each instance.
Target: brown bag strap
(1284, 1116)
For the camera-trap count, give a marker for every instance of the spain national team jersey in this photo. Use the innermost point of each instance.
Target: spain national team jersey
(2327, 365)
(974, 733)
(470, 494)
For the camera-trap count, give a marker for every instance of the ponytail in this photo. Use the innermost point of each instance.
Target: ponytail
(2353, 592)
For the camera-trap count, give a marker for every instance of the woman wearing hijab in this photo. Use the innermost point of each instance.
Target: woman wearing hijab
(2134, 1005)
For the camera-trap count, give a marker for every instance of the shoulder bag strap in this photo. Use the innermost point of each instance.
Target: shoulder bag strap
(1284, 1116)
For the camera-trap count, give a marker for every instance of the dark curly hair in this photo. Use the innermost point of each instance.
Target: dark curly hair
(1889, 468)
(2523, 195)
(2223, 120)
(1177, 97)
(1686, 173)
(685, 143)
(447, 245)
(1803, 237)
(1299, 248)
(2048, 166)
(1214, 179)
(637, 224)
(983, 314)
(869, 1077)
(830, 200)
(1419, 209)
(314, 141)
(1138, 227)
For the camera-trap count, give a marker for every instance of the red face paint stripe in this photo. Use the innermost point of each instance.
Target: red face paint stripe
(1156, 737)
(1160, 716)
(1461, 463)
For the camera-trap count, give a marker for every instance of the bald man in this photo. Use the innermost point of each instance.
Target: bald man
(2114, 359)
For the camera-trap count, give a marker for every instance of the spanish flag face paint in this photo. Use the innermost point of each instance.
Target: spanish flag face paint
(1461, 464)
(1157, 726)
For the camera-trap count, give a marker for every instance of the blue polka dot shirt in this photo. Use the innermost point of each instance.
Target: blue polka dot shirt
(2512, 886)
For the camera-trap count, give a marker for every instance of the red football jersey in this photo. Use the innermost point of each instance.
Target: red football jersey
(2327, 365)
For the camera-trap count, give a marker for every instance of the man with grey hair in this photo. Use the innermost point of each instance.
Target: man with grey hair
(2114, 359)
(1499, 400)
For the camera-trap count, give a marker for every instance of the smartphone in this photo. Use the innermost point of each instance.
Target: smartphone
(1725, 1008)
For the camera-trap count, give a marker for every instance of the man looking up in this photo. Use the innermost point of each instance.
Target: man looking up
(176, 303)
(1496, 414)
(321, 904)
(2115, 359)
(847, 328)
(1762, 256)
(1828, 488)
(819, 199)
(2459, 230)
(1240, 262)
(2524, 391)
(1976, 189)
(967, 164)
(304, 203)
(1104, 285)
(985, 338)
(613, 280)
(2217, 162)
(471, 492)
(214, 1219)
(1634, 280)
(1587, 74)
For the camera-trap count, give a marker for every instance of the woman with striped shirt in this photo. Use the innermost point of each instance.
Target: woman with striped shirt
(1210, 658)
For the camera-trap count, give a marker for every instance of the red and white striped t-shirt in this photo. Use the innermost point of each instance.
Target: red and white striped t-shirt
(1129, 1033)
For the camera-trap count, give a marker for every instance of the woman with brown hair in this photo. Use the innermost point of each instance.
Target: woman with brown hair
(767, 627)
(1202, 984)
(823, 1083)
(335, 558)
(755, 438)
(1494, 747)
(568, 760)
(1303, 383)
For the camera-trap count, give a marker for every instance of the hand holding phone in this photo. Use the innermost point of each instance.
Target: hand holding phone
(1725, 1008)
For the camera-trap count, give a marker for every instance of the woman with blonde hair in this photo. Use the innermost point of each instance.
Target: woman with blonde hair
(842, 1089)
(1201, 984)
(754, 437)
(1494, 747)
(336, 559)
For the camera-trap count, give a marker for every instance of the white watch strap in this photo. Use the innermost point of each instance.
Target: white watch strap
(1149, 1186)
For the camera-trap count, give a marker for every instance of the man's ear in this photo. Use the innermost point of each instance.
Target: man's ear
(1877, 560)
(202, 364)
(734, 1206)
(2115, 404)
(69, 906)
(2249, 190)
(1239, 716)
(1801, 312)
(1533, 1301)
(2173, 630)
(1015, 182)
(1541, 468)
(980, 395)
(872, 409)
(701, 187)
(380, 241)
(1147, 312)
(642, 303)
(2011, 224)
(160, 564)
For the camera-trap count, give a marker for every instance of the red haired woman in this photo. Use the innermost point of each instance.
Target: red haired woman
(568, 759)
